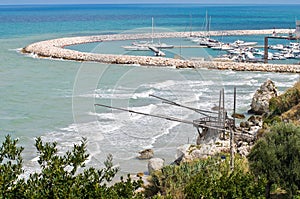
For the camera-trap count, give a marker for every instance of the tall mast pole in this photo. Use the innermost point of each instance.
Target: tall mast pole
(152, 29)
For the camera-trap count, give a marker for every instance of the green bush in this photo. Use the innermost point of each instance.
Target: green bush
(171, 180)
(218, 181)
(279, 105)
(277, 157)
(59, 176)
(209, 178)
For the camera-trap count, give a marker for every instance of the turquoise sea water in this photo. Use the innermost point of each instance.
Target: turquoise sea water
(54, 98)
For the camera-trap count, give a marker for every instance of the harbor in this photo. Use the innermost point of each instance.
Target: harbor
(57, 48)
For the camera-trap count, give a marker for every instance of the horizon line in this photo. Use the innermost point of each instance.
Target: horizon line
(33, 4)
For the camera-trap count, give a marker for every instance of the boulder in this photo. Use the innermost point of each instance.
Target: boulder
(182, 150)
(260, 100)
(155, 164)
(146, 154)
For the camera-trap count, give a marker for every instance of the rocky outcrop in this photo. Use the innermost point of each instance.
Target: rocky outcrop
(262, 96)
(246, 134)
(146, 154)
(190, 152)
(155, 164)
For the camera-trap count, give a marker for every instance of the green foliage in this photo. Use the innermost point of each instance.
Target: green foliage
(286, 101)
(277, 157)
(59, 176)
(218, 181)
(10, 168)
(209, 178)
(171, 180)
(283, 103)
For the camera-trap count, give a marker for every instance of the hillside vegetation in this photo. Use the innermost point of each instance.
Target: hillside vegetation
(286, 107)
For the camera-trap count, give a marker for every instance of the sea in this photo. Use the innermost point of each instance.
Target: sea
(55, 99)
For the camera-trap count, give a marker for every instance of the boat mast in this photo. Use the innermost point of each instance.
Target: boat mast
(152, 29)
(207, 23)
(191, 25)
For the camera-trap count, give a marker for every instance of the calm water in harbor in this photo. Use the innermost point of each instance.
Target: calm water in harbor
(55, 99)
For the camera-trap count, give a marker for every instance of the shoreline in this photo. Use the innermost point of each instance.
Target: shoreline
(55, 49)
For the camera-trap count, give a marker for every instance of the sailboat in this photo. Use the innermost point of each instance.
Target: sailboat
(142, 45)
(158, 45)
(206, 40)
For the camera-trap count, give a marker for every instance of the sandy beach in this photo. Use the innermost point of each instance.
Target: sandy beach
(55, 49)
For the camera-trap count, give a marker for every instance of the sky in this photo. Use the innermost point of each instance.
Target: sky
(21, 2)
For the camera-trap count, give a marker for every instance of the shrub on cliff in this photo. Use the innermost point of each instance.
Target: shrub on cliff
(209, 178)
(171, 180)
(277, 157)
(218, 181)
(59, 176)
(285, 102)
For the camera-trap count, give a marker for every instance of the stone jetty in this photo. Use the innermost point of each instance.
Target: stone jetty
(55, 48)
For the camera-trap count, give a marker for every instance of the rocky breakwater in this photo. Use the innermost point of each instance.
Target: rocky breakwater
(55, 49)
(237, 66)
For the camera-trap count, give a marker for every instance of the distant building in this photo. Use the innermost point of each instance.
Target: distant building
(298, 29)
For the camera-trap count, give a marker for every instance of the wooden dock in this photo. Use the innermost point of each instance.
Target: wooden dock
(198, 46)
(193, 46)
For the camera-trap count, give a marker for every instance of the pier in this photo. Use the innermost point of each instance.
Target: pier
(266, 44)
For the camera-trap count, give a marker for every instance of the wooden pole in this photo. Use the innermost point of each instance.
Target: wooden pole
(219, 108)
(224, 117)
(231, 149)
(232, 133)
(234, 106)
(266, 50)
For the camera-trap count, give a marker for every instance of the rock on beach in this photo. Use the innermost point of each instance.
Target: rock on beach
(146, 154)
(155, 164)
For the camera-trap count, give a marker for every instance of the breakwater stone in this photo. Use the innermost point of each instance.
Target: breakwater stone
(55, 48)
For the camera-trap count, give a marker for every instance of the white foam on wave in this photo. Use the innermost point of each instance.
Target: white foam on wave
(139, 131)
(68, 136)
(16, 49)
(75, 132)
(144, 94)
(167, 131)
(229, 72)
(119, 93)
(107, 95)
(144, 109)
(164, 84)
(184, 82)
(103, 116)
(285, 84)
